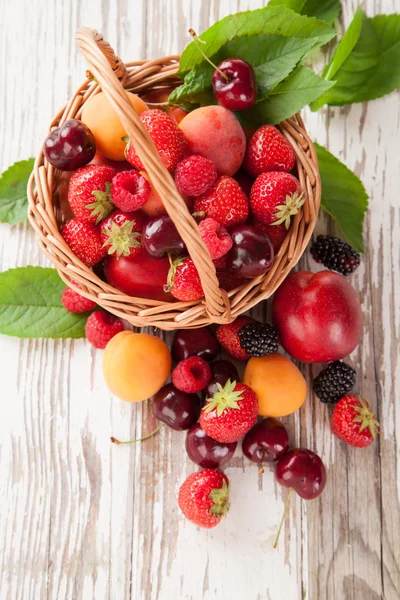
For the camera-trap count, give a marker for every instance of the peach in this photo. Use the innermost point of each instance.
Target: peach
(101, 118)
(278, 383)
(135, 365)
(215, 132)
(155, 206)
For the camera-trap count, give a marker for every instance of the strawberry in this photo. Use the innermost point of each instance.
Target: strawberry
(268, 150)
(225, 202)
(228, 337)
(183, 280)
(120, 233)
(275, 197)
(89, 192)
(195, 175)
(84, 240)
(354, 422)
(230, 413)
(276, 234)
(168, 139)
(204, 497)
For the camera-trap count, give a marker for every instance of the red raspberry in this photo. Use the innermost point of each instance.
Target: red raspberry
(76, 303)
(101, 327)
(195, 175)
(191, 375)
(228, 337)
(130, 190)
(215, 237)
(84, 240)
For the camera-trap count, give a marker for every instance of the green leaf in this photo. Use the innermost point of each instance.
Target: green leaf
(343, 196)
(296, 91)
(30, 305)
(272, 57)
(271, 20)
(13, 197)
(366, 64)
(324, 10)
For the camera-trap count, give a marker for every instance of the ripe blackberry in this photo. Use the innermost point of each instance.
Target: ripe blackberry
(259, 339)
(335, 254)
(334, 382)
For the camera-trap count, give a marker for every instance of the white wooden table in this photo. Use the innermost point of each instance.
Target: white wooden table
(80, 518)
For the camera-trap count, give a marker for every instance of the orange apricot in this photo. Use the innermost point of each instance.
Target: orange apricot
(101, 118)
(278, 383)
(135, 365)
(154, 205)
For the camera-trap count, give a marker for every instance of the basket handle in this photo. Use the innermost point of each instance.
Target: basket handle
(110, 72)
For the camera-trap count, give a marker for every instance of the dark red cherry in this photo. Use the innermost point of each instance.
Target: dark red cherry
(160, 236)
(221, 371)
(234, 84)
(194, 342)
(205, 451)
(175, 408)
(70, 146)
(251, 254)
(303, 471)
(267, 441)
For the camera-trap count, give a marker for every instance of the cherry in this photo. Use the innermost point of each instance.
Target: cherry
(234, 84)
(221, 371)
(70, 146)
(268, 440)
(160, 237)
(303, 471)
(205, 451)
(194, 342)
(175, 408)
(252, 253)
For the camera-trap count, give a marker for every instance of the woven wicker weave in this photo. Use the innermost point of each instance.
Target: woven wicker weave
(45, 215)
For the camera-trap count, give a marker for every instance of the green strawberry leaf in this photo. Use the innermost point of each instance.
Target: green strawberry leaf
(13, 197)
(324, 10)
(296, 91)
(30, 305)
(343, 197)
(271, 20)
(366, 64)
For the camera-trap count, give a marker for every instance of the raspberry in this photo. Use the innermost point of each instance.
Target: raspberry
(76, 303)
(129, 190)
(215, 237)
(101, 327)
(259, 339)
(334, 382)
(335, 254)
(191, 375)
(195, 175)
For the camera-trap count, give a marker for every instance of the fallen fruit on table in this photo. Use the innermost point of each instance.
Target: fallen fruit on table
(191, 375)
(204, 497)
(228, 337)
(354, 422)
(267, 441)
(318, 316)
(221, 371)
(135, 365)
(70, 146)
(280, 387)
(334, 382)
(194, 342)
(335, 254)
(101, 327)
(175, 408)
(205, 451)
(259, 339)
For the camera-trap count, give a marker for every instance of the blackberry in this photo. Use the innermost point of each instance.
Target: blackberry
(259, 339)
(335, 254)
(334, 382)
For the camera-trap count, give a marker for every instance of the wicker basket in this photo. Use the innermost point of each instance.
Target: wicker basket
(45, 215)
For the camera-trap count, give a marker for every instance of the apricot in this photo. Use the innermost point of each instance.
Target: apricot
(101, 118)
(135, 365)
(215, 132)
(155, 206)
(278, 383)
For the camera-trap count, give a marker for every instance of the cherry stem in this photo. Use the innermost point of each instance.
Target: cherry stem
(145, 437)
(283, 517)
(260, 464)
(198, 42)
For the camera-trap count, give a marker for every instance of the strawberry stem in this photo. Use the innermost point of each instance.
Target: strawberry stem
(283, 517)
(145, 437)
(198, 41)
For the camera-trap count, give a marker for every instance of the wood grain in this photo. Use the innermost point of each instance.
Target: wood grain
(80, 518)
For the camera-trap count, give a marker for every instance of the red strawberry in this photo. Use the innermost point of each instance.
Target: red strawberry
(168, 139)
(228, 337)
(276, 233)
(275, 197)
(84, 240)
(195, 175)
(230, 413)
(225, 202)
(89, 192)
(354, 422)
(215, 237)
(204, 497)
(120, 233)
(184, 281)
(268, 150)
